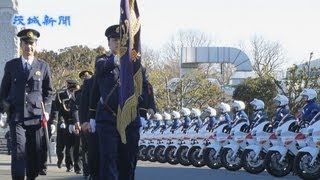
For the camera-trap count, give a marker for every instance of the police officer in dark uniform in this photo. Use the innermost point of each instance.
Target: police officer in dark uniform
(90, 133)
(26, 84)
(117, 160)
(73, 137)
(65, 140)
(89, 145)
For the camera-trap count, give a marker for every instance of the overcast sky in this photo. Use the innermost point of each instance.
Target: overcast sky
(293, 23)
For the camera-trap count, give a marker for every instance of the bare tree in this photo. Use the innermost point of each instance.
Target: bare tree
(171, 57)
(267, 56)
(171, 52)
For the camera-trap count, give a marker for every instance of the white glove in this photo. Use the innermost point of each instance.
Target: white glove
(46, 115)
(92, 126)
(3, 120)
(2, 124)
(62, 125)
(53, 128)
(72, 129)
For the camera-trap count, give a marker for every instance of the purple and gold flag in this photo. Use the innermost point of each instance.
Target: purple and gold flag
(130, 65)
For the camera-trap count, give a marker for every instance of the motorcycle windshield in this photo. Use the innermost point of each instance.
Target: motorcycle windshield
(261, 120)
(221, 123)
(315, 119)
(242, 120)
(287, 118)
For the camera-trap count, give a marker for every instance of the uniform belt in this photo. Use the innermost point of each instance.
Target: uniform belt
(31, 122)
(107, 107)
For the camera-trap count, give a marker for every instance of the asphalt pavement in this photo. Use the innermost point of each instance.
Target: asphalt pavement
(151, 171)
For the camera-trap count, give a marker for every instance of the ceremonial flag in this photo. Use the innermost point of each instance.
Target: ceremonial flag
(130, 65)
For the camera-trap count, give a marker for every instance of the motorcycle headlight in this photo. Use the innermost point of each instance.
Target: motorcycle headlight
(254, 131)
(309, 131)
(278, 132)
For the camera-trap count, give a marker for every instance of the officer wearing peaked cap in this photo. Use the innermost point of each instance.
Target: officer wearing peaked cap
(26, 84)
(74, 126)
(65, 139)
(85, 136)
(90, 144)
(117, 160)
(86, 74)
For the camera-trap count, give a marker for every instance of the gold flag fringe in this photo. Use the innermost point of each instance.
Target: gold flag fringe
(129, 111)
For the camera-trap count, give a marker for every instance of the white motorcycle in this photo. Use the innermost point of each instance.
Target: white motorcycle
(195, 153)
(217, 140)
(159, 152)
(143, 143)
(231, 153)
(153, 142)
(307, 161)
(174, 144)
(279, 159)
(186, 141)
(259, 143)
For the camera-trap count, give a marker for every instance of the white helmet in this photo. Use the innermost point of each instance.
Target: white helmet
(211, 111)
(238, 105)
(175, 114)
(185, 111)
(157, 117)
(166, 116)
(257, 104)
(281, 99)
(310, 93)
(196, 112)
(224, 107)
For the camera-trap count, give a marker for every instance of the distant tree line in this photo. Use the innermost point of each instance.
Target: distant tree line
(197, 89)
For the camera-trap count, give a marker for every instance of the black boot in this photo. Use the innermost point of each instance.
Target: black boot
(59, 163)
(43, 172)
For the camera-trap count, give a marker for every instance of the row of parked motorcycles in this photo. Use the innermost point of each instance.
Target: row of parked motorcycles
(281, 148)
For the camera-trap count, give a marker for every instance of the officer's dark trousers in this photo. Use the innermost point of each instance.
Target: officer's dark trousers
(76, 153)
(73, 151)
(26, 146)
(61, 143)
(44, 153)
(93, 153)
(118, 160)
(84, 152)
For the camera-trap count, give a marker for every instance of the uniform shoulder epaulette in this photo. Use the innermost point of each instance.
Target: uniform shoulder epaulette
(101, 57)
(61, 95)
(108, 53)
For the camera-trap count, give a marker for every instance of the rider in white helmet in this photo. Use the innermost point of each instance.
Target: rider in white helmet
(185, 113)
(259, 113)
(148, 123)
(175, 115)
(224, 110)
(157, 122)
(311, 107)
(282, 108)
(166, 120)
(195, 114)
(211, 113)
(238, 108)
